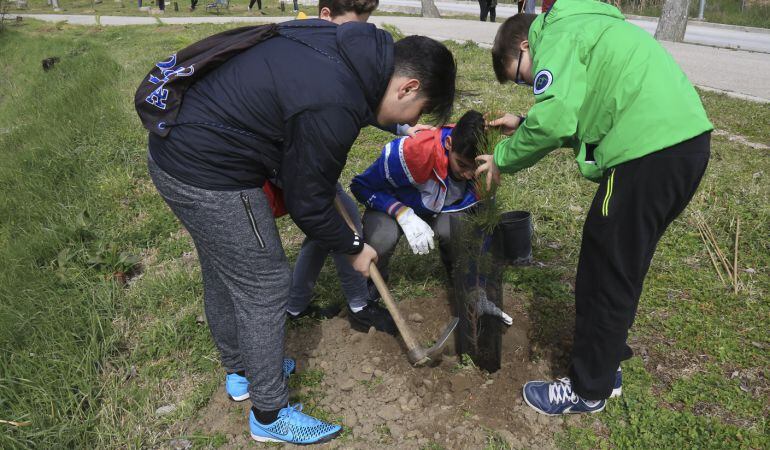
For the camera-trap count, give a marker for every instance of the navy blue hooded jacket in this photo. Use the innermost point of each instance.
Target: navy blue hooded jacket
(288, 108)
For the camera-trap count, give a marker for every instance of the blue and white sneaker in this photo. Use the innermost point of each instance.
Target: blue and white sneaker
(293, 426)
(617, 389)
(557, 397)
(237, 387)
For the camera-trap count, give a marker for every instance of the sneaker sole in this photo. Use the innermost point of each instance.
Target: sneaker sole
(540, 411)
(358, 326)
(265, 439)
(320, 441)
(617, 392)
(239, 398)
(362, 327)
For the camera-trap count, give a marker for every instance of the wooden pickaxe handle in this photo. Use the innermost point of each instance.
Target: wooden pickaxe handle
(403, 328)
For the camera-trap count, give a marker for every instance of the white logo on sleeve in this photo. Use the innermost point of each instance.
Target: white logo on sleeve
(543, 81)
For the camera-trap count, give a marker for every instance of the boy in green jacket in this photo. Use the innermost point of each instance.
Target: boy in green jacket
(609, 90)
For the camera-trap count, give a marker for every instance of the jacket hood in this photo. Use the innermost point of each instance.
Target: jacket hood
(569, 8)
(361, 47)
(368, 51)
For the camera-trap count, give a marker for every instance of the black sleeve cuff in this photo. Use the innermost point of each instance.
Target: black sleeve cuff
(357, 246)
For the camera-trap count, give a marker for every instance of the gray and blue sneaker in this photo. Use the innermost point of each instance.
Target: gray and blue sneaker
(557, 397)
(293, 426)
(289, 367)
(237, 386)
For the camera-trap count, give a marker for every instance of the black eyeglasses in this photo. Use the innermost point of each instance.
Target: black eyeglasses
(517, 80)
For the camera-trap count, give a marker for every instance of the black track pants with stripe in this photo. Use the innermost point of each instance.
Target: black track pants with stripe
(635, 203)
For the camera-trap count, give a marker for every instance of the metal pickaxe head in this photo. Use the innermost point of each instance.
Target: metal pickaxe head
(419, 355)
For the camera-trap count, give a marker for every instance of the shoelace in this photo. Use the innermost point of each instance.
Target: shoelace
(294, 414)
(561, 391)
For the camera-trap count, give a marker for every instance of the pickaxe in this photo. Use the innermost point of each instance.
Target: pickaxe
(416, 353)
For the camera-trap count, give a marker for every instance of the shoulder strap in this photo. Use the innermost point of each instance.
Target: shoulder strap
(160, 93)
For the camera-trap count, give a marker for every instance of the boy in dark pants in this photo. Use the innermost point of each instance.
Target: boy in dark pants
(610, 91)
(312, 255)
(289, 108)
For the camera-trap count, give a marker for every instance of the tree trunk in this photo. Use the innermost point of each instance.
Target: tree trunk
(673, 21)
(429, 9)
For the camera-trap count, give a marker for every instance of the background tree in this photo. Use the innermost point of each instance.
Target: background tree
(429, 9)
(673, 21)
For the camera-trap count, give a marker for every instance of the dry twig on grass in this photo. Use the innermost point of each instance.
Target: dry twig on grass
(711, 255)
(710, 242)
(16, 424)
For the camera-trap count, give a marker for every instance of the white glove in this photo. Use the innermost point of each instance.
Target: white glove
(486, 307)
(417, 232)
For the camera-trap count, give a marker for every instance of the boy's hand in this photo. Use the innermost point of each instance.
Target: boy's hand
(507, 124)
(411, 131)
(363, 260)
(486, 307)
(487, 164)
(417, 232)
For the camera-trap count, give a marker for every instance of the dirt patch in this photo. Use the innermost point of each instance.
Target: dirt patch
(741, 140)
(369, 386)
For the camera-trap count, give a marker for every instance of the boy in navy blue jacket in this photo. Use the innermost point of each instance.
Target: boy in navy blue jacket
(288, 108)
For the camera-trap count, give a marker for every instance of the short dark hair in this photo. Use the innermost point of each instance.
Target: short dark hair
(432, 63)
(506, 47)
(468, 138)
(340, 7)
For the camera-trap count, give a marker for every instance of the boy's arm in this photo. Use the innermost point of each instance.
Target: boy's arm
(375, 185)
(319, 141)
(560, 88)
(390, 171)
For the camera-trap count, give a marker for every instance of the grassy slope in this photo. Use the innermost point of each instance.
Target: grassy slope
(88, 362)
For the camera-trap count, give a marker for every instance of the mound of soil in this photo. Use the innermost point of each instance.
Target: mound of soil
(384, 402)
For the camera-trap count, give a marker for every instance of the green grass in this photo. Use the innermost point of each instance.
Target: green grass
(749, 119)
(87, 362)
(496, 442)
(638, 421)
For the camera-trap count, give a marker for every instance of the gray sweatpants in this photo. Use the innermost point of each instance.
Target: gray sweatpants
(246, 279)
(311, 260)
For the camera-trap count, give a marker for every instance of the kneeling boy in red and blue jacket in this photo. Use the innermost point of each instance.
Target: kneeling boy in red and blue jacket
(415, 184)
(414, 187)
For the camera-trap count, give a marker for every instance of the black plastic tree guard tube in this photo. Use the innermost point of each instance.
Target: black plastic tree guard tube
(477, 272)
